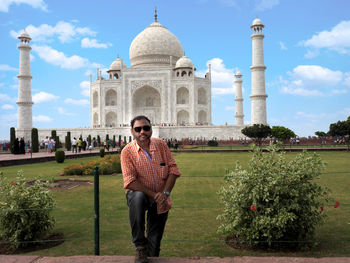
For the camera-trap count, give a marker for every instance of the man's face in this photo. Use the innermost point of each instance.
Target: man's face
(142, 135)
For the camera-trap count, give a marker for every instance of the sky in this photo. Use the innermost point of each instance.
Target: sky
(306, 49)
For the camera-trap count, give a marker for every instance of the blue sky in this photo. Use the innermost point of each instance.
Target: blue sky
(306, 47)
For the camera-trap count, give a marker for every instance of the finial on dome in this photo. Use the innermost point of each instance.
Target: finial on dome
(155, 14)
(184, 53)
(117, 55)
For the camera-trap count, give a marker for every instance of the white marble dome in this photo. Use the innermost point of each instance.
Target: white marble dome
(184, 62)
(117, 64)
(154, 46)
(257, 22)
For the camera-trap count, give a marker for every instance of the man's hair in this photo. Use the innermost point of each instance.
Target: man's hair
(138, 118)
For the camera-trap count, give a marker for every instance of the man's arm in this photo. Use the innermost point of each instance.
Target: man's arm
(136, 186)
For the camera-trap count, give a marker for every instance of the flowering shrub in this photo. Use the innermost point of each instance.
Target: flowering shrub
(24, 210)
(275, 202)
(107, 165)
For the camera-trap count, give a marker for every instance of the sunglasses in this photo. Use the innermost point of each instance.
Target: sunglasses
(145, 128)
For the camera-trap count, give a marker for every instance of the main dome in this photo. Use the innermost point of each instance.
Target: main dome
(154, 46)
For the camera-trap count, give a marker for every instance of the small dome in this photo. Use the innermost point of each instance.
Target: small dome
(238, 74)
(154, 46)
(184, 62)
(24, 35)
(117, 64)
(257, 22)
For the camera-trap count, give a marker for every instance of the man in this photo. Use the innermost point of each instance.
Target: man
(149, 173)
(74, 145)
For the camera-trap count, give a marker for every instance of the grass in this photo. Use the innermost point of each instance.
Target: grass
(191, 227)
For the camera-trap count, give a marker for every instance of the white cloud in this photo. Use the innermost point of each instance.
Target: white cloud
(44, 97)
(4, 67)
(262, 5)
(7, 107)
(63, 112)
(85, 86)
(311, 80)
(230, 108)
(312, 53)
(5, 4)
(66, 32)
(81, 102)
(5, 97)
(347, 79)
(337, 39)
(58, 58)
(93, 43)
(222, 78)
(42, 118)
(283, 46)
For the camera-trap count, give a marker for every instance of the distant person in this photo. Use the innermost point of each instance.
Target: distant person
(149, 173)
(79, 143)
(74, 145)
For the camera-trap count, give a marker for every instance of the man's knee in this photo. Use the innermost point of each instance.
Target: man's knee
(137, 199)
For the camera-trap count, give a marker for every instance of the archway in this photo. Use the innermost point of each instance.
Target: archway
(95, 119)
(202, 96)
(111, 119)
(183, 117)
(111, 98)
(146, 101)
(202, 117)
(182, 96)
(95, 99)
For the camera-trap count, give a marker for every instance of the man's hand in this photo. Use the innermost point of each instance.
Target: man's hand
(160, 198)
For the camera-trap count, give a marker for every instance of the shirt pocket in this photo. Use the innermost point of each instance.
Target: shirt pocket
(163, 171)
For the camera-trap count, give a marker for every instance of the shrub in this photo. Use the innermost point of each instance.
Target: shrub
(275, 202)
(213, 143)
(12, 139)
(68, 142)
(107, 165)
(26, 211)
(102, 152)
(35, 141)
(59, 156)
(74, 169)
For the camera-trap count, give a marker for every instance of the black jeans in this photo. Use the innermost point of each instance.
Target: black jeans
(138, 203)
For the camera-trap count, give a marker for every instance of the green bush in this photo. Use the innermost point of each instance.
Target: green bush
(107, 165)
(276, 202)
(35, 141)
(12, 139)
(102, 152)
(213, 143)
(68, 141)
(25, 214)
(59, 156)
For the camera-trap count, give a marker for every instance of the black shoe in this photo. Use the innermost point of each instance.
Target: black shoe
(141, 255)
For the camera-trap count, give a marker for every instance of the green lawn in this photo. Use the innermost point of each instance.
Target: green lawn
(192, 224)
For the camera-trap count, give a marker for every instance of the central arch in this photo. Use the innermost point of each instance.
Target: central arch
(146, 101)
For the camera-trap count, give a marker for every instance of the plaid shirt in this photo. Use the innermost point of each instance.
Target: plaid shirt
(152, 174)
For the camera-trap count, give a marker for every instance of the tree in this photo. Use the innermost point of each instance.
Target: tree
(282, 133)
(341, 129)
(68, 142)
(12, 139)
(120, 140)
(257, 132)
(35, 141)
(98, 141)
(54, 136)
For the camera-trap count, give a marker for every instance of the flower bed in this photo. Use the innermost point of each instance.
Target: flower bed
(107, 165)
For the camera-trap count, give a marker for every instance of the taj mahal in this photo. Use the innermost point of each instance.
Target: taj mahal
(160, 83)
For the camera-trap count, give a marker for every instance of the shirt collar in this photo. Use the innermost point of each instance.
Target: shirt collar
(151, 146)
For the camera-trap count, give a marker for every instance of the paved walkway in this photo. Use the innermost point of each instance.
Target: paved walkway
(130, 259)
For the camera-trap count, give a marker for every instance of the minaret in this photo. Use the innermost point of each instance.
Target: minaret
(239, 99)
(25, 103)
(258, 95)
